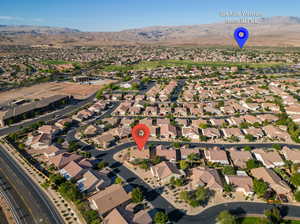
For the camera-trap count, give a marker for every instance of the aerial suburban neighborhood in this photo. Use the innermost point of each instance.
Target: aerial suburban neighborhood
(156, 125)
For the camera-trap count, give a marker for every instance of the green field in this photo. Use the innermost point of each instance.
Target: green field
(185, 63)
(55, 62)
(256, 220)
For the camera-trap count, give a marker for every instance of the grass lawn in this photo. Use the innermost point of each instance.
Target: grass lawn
(55, 62)
(185, 63)
(256, 220)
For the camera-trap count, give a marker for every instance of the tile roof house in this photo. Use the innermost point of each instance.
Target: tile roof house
(275, 182)
(239, 157)
(52, 151)
(230, 132)
(291, 154)
(168, 154)
(142, 217)
(105, 140)
(185, 152)
(40, 141)
(242, 184)
(212, 133)
(164, 171)
(190, 132)
(146, 121)
(235, 120)
(275, 132)
(255, 132)
(293, 109)
(217, 122)
(139, 154)
(63, 159)
(167, 131)
(209, 177)
(111, 197)
(115, 217)
(267, 117)
(251, 119)
(48, 129)
(62, 122)
(83, 115)
(270, 159)
(72, 171)
(92, 181)
(216, 155)
(196, 123)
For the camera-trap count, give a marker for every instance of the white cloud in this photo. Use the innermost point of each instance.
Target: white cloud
(11, 18)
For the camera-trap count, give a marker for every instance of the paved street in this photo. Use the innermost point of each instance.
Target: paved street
(30, 198)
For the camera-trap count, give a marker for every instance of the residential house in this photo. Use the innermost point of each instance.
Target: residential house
(190, 132)
(211, 133)
(115, 217)
(232, 132)
(291, 154)
(242, 184)
(164, 171)
(105, 140)
(275, 132)
(168, 131)
(208, 177)
(41, 141)
(92, 181)
(185, 152)
(168, 154)
(216, 155)
(111, 197)
(61, 124)
(270, 158)
(139, 154)
(275, 182)
(239, 157)
(63, 159)
(72, 171)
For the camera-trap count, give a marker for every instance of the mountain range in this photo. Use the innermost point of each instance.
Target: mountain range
(273, 31)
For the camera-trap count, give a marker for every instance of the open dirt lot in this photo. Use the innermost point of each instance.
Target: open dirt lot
(78, 91)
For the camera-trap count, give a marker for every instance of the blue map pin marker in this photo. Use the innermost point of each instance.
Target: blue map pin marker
(241, 35)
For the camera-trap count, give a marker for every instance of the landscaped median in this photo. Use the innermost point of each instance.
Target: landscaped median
(66, 209)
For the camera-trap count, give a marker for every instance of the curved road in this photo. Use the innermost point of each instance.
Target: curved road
(30, 197)
(209, 215)
(44, 210)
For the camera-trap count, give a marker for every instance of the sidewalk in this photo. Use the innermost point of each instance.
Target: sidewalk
(65, 208)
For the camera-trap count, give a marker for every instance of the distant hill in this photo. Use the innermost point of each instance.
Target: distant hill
(274, 31)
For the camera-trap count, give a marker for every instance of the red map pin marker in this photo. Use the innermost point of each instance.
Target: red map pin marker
(140, 134)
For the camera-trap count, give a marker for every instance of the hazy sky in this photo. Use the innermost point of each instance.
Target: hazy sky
(113, 15)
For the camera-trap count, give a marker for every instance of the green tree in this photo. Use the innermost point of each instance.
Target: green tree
(161, 218)
(56, 179)
(228, 187)
(176, 181)
(229, 170)
(260, 187)
(295, 179)
(225, 217)
(69, 191)
(249, 137)
(137, 195)
(276, 146)
(118, 180)
(202, 194)
(273, 215)
(297, 196)
(251, 164)
(102, 165)
(183, 164)
(247, 148)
